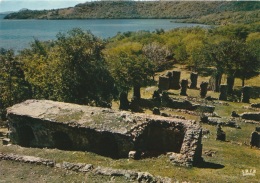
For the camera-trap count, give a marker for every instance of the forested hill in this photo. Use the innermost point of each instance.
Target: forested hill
(191, 10)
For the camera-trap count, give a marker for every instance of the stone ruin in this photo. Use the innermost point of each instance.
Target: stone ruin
(194, 80)
(245, 94)
(221, 135)
(255, 116)
(223, 92)
(255, 138)
(203, 89)
(184, 86)
(170, 81)
(44, 123)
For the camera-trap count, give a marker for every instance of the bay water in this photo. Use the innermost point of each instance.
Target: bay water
(17, 34)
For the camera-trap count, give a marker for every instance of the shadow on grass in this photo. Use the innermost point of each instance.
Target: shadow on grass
(210, 165)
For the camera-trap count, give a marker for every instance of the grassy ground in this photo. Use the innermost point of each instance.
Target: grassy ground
(225, 165)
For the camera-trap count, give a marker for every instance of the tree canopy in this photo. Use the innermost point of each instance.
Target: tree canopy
(129, 66)
(70, 69)
(13, 86)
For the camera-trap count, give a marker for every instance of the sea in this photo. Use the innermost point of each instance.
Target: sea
(18, 34)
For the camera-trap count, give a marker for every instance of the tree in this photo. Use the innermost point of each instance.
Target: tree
(233, 31)
(234, 58)
(194, 42)
(70, 69)
(129, 66)
(13, 87)
(160, 55)
(39, 69)
(84, 74)
(223, 56)
(249, 64)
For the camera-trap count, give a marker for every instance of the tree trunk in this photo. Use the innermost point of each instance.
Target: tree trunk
(230, 84)
(217, 81)
(137, 93)
(243, 82)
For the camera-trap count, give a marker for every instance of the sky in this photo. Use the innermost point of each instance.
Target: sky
(16, 5)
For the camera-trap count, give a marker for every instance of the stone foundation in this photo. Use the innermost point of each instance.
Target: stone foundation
(251, 116)
(43, 123)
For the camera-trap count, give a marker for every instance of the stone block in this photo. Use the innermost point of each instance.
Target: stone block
(112, 133)
(246, 94)
(223, 92)
(203, 89)
(6, 141)
(255, 139)
(194, 80)
(184, 86)
(175, 80)
(251, 116)
(164, 83)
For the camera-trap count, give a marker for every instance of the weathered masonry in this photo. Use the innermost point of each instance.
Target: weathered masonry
(44, 123)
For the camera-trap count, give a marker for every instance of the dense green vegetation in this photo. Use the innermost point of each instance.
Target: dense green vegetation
(70, 69)
(80, 68)
(211, 12)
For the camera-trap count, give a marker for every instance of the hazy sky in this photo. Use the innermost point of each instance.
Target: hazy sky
(16, 5)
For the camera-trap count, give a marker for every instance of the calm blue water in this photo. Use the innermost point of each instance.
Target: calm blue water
(17, 34)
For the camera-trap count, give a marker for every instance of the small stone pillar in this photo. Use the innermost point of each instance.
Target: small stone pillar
(184, 86)
(193, 79)
(169, 74)
(223, 92)
(124, 103)
(221, 135)
(156, 111)
(137, 91)
(163, 83)
(156, 96)
(246, 94)
(255, 138)
(203, 89)
(6, 141)
(134, 155)
(234, 114)
(175, 82)
(230, 84)
(134, 105)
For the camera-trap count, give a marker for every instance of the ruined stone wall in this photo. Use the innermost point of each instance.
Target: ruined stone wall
(33, 132)
(159, 136)
(41, 123)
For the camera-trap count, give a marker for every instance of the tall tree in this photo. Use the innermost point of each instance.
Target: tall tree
(234, 58)
(70, 69)
(13, 87)
(159, 54)
(249, 64)
(130, 67)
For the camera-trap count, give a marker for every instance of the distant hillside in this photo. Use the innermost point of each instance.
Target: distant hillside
(191, 10)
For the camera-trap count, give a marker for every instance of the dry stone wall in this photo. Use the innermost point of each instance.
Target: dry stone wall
(130, 175)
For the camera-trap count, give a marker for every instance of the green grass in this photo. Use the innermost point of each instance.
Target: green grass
(225, 166)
